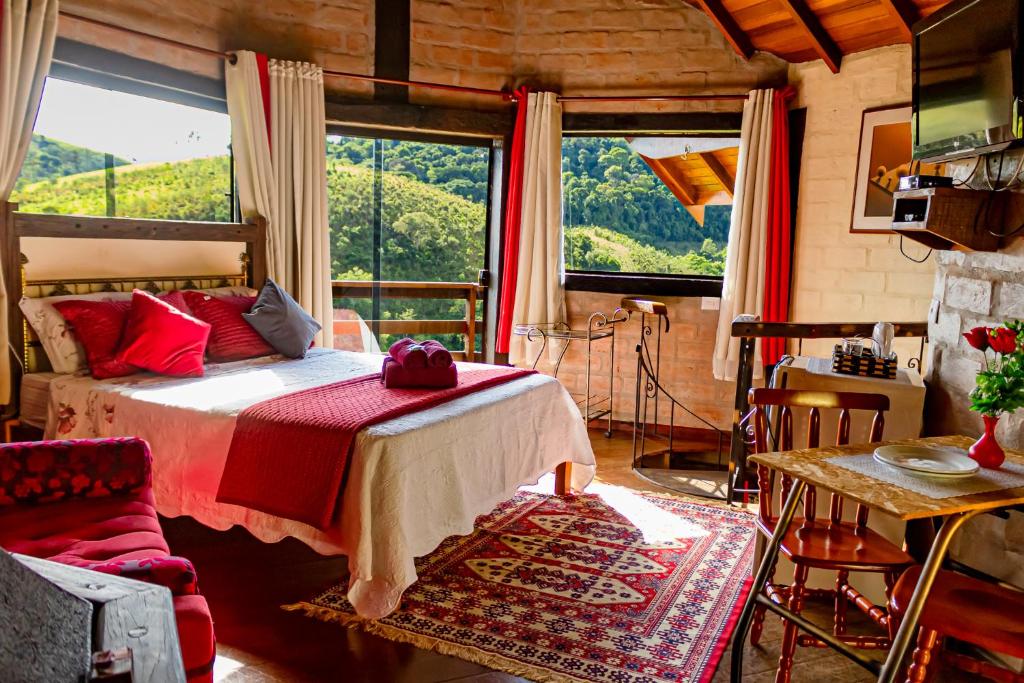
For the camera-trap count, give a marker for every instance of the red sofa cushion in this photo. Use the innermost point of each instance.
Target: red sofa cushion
(50, 471)
(114, 529)
(195, 634)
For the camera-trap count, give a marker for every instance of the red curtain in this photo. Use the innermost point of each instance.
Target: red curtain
(264, 71)
(779, 242)
(513, 216)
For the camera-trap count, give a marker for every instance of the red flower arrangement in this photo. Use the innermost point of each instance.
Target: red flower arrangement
(999, 385)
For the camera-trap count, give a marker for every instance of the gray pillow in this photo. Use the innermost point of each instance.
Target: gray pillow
(281, 322)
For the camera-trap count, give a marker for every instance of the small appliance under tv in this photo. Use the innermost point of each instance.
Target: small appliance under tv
(967, 80)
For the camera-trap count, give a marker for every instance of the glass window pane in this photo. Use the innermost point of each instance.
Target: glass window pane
(101, 152)
(431, 226)
(647, 205)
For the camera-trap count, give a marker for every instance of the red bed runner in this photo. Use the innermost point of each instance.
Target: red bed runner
(289, 454)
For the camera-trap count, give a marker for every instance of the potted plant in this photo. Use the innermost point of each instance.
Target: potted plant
(999, 385)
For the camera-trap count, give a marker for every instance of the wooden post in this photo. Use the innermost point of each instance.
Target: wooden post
(11, 264)
(563, 479)
(471, 324)
(258, 254)
(738, 446)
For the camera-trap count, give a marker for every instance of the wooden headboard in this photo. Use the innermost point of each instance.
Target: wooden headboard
(14, 225)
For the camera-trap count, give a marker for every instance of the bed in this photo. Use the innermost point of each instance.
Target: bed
(412, 481)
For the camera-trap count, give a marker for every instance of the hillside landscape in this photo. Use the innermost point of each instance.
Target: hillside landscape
(619, 216)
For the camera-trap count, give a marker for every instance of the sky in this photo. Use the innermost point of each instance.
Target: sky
(129, 126)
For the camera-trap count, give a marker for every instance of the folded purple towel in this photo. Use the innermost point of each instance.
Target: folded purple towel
(408, 353)
(395, 376)
(437, 355)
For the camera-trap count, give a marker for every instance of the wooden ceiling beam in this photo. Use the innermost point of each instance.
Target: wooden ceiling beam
(719, 171)
(904, 13)
(822, 43)
(721, 18)
(684, 192)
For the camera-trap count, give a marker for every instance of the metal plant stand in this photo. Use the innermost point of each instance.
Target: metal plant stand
(599, 326)
(699, 473)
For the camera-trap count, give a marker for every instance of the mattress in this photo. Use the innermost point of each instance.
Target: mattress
(35, 398)
(412, 482)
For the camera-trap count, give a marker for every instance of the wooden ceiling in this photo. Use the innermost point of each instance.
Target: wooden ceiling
(698, 179)
(799, 31)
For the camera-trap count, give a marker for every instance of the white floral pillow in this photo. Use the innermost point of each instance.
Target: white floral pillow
(65, 353)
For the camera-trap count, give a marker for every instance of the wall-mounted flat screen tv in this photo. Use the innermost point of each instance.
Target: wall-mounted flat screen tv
(967, 80)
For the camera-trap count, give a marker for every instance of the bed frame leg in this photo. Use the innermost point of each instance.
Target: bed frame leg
(563, 479)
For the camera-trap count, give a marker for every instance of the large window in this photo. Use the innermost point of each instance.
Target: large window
(101, 152)
(650, 205)
(407, 211)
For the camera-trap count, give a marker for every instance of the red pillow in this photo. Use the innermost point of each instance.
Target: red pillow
(231, 338)
(98, 326)
(160, 338)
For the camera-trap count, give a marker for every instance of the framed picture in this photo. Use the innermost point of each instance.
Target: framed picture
(884, 157)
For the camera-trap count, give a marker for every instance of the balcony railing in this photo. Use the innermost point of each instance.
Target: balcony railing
(468, 326)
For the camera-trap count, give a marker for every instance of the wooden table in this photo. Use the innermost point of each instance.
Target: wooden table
(810, 466)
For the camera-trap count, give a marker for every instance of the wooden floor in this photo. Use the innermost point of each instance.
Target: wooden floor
(246, 582)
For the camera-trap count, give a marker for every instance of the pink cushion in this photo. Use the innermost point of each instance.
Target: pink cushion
(160, 338)
(99, 327)
(231, 337)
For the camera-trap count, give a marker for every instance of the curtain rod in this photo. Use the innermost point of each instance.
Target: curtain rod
(503, 94)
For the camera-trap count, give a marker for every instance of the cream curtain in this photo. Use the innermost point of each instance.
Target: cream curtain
(251, 147)
(300, 250)
(744, 279)
(283, 177)
(26, 48)
(540, 296)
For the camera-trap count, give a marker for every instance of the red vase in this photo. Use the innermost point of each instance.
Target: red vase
(986, 450)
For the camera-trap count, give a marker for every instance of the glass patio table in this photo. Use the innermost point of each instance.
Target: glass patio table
(812, 466)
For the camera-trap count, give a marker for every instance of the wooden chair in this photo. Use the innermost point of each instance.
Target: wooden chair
(968, 609)
(830, 544)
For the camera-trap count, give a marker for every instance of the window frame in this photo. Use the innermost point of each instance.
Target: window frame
(494, 158)
(688, 124)
(107, 70)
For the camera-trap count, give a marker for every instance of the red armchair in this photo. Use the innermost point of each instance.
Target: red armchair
(89, 503)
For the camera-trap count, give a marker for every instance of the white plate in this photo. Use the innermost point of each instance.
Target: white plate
(943, 462)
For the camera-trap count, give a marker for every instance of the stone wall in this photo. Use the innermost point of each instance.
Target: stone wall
(971, 289)
(839, 276)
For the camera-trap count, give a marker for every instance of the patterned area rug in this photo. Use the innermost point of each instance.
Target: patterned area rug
(622, 587)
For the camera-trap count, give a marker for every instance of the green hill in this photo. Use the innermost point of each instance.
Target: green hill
(594, 248)
(47, 159)
(193, 190)
(619, 216)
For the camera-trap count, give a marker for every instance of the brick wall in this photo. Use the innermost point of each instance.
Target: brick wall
(686, 353)
(337, 34)
(650, 46)
(656, 46)
(839, 276)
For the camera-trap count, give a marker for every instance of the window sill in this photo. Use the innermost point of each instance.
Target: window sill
(643, 285)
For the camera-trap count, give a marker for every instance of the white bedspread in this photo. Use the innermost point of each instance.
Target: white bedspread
(413, 481)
